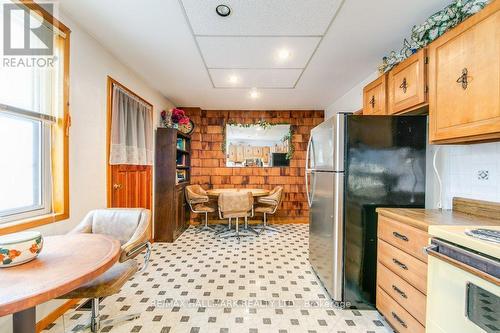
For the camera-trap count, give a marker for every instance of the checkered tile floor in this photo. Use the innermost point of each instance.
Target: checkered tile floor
(202, 283)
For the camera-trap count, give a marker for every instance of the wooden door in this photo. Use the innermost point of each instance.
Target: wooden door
(374, 101)
(131, 186)
(407, 84)
(464, 80)
(128, 186)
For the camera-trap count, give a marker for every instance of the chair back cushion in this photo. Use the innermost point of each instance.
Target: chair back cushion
(274, 198)
(119, 223)
(196, 194)
(233, 202)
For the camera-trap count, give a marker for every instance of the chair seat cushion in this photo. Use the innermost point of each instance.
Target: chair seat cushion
(109, 283)
(203, 208)
(236, 214)
(264, 209)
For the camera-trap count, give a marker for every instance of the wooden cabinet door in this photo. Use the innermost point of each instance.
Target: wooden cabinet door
(240, 154)
(180, 216)
(374, 101)
(407, 84)
(464, 80)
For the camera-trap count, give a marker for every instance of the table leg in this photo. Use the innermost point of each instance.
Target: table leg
(24, 321)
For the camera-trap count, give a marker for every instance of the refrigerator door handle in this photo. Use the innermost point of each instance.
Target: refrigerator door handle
(308, 151)
(308, 170)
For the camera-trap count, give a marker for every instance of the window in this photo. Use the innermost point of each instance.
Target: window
(34, 124)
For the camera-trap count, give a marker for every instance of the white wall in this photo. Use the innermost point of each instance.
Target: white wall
(90, 64)
(458, 165)
(352, 100)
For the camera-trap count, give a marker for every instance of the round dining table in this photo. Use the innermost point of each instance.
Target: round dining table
(256, 192)
(65, 263)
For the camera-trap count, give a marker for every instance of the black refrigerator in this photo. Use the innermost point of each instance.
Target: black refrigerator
(355, 164)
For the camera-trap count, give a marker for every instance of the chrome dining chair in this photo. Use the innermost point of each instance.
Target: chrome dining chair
(198, 200)
(269, 205)
(131, 227)
(235, 205)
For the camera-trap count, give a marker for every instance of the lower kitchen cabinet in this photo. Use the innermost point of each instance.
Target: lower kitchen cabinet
(401, 274)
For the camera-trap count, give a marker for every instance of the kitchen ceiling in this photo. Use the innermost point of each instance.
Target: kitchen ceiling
(257, 37)
(298, 54)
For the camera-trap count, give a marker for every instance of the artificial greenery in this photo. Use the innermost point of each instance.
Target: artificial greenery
(436, 25)
(265, 125)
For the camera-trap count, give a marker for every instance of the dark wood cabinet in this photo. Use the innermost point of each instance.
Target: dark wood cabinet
(172, 174)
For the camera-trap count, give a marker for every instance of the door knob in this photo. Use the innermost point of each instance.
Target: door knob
(117, 186)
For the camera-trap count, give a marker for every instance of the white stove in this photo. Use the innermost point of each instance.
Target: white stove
(463, 282)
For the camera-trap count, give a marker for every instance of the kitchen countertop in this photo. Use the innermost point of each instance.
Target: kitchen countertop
(424, 218)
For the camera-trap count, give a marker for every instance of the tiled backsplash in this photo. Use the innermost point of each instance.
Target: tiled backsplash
(470, 171)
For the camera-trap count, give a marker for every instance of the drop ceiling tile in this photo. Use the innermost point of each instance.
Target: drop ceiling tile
(256, 52)
(262, 17)
(255, 78)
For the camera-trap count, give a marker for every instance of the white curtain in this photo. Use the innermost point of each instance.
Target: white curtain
(131, 130)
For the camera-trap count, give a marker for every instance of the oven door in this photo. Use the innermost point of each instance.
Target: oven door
(461, 298)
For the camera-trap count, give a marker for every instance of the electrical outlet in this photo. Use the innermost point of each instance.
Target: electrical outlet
(483, 175)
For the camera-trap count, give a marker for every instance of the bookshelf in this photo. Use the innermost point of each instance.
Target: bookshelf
(172, 175)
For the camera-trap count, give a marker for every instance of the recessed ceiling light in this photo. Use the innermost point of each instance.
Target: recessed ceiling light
(284, 54)
(223, 10)
(254, 93)
(233, 79)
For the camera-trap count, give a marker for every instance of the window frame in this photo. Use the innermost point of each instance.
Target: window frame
(59, 147)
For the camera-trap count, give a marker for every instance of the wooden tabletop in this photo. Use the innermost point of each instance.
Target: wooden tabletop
(65, 263)
(256, 192)
(423, 218)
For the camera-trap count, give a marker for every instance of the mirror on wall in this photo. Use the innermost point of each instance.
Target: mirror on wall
(258, 145)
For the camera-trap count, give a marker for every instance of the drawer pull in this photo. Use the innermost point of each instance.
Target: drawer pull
(399, 263)
(404, 85)
(399, 291)
(398, 235)
(463, 79)
(372, 101)
(399, 320)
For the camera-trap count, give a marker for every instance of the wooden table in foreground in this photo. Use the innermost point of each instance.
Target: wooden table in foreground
(65, 263)
(256, 192)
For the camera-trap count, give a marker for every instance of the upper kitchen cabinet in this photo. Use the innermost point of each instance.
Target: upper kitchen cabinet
(374, 101)
(464, 80)
(407, 84)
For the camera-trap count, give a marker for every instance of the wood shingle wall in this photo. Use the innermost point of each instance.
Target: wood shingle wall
(208, 160)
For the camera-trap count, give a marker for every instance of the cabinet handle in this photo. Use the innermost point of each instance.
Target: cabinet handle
(399, 291)
(372, 101)
(404, 85)
(400, 264)
(463, 78)
(399, 320)
(400, 236)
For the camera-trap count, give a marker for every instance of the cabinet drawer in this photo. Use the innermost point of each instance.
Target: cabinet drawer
(394, 313)
(404, 237)
(407, 267)
(402, 292)
(407, 83)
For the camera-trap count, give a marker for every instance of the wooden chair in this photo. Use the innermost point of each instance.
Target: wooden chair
(131, 227)
(269, 205)
(197, 199)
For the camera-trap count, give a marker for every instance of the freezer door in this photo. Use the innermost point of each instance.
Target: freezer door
(326, 230)
(326, 144)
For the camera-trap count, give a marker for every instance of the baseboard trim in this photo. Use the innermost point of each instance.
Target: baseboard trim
(51, 317)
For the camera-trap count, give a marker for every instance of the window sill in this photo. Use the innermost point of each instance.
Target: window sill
(33, 222)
